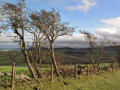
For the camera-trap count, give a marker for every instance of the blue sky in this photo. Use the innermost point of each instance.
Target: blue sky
(99, 16)
(89, 20)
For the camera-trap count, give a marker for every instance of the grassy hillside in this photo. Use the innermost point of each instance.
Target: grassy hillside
(63, 55)
(5, 58)
(103, 81)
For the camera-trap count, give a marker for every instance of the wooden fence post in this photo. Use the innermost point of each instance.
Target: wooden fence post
(88, 69)
(76, 69)
(52, 72)
(112, 67)
(116, 66)
(13, 75)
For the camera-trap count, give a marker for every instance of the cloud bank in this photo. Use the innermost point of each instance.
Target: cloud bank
(85, 6)
(110, 29)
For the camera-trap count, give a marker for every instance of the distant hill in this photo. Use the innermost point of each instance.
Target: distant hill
(64, 48)
(60, 48)
(64, 55)
(111, 48)
(10, 49)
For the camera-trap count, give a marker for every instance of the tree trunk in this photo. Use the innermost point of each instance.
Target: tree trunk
(76, 69)
(23, 46)
(13, 76)
(28, 61)
(39, 57)
(37, 69)
(52, 72)
(93, 62)
(54, 60)
(36, 65)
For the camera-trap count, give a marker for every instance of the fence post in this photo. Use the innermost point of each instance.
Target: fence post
(88, 69)
(52, 73)
(116, 66)
(76, 69)
(112, 67)
(13, 76)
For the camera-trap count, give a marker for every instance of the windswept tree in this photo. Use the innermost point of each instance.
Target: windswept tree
(100, 54)
(101, 49)
(49, 22)
(91, 39)
(2, 25)
(15, 21)
(39, 40)
(116, 47)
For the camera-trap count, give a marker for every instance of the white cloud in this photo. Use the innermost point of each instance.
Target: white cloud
(114, 22)
(110, 29)
(74, 41)
(85, 6)
(5, 39)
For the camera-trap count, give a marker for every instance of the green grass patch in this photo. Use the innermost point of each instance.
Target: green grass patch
(102, 81)
(19, 70)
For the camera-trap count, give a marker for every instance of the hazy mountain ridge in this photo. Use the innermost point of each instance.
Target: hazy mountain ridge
(60, 48)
